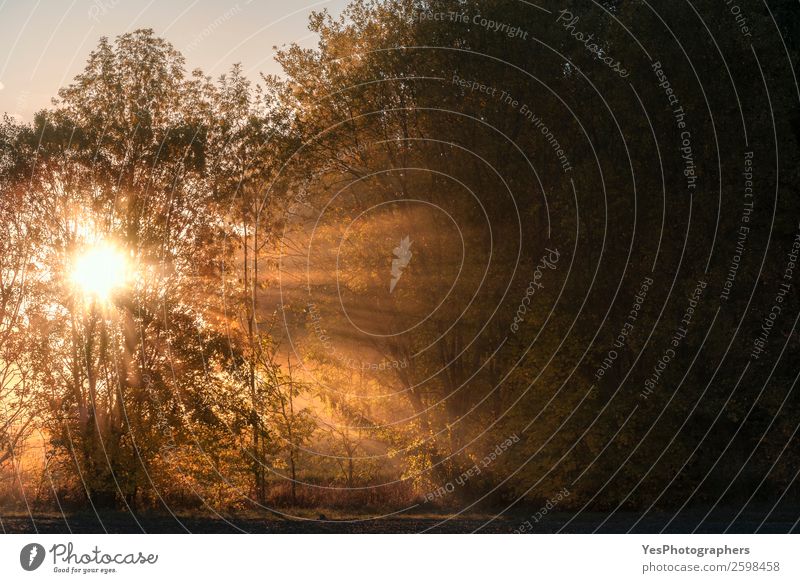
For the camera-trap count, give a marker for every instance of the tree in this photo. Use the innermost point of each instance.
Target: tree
(16, 289)
(119, 162)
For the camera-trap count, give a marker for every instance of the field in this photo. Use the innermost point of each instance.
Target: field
(115, 523)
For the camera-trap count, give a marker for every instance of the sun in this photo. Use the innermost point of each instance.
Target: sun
(99, 271)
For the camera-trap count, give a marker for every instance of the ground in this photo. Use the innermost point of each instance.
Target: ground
(118, 522)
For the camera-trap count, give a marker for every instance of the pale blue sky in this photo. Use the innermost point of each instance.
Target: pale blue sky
(44, 43)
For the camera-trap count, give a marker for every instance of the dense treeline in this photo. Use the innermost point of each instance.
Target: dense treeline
(256, 355)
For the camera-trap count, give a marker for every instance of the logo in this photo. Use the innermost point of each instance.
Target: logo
(402, 257)
(31, 556)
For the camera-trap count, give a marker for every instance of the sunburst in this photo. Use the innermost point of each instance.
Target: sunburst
(100, 271)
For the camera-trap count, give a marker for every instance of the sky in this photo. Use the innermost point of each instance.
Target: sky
(45, 43)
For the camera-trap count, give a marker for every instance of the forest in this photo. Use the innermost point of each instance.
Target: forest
(461, 259)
